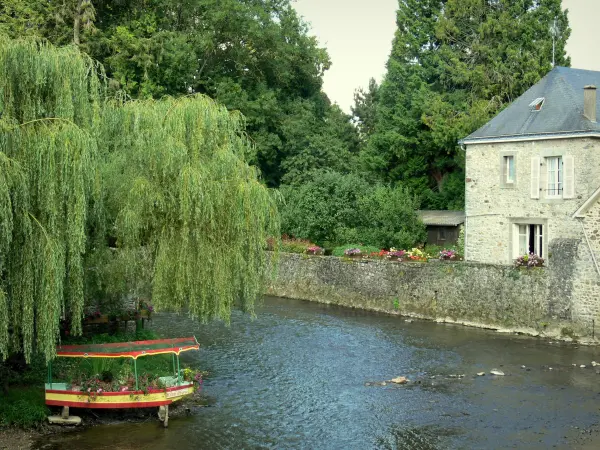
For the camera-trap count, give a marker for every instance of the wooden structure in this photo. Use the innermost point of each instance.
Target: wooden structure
(443, 227)
(62, 394)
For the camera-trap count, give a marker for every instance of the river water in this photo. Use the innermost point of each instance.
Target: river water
(297, 377)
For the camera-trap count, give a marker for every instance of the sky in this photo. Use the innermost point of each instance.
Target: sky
(358, 36)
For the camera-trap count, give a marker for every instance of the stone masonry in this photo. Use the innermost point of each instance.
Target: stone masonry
(488, 295)
(493, 208)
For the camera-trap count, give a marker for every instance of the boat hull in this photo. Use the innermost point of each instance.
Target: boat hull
(116, 400)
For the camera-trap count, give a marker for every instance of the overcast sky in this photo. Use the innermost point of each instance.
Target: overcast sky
(358, 36)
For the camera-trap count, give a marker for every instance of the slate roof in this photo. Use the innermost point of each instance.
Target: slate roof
(561, 112)
(448, 218)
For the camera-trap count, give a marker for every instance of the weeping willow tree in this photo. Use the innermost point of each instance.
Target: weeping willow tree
(80, 173)
(178, 183)
(49, 102)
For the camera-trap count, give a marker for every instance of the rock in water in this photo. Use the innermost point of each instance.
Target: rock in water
(497, 372)
(480, 374)
(399, 380)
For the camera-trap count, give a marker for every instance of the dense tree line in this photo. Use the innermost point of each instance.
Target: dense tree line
(254, 56)
(454, 64)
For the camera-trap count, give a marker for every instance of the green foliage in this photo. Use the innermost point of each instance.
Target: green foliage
(179, 184)
(294, 245)
(364, 249)
(49, 100)
(454, 64)
(433, 250)
(23, 407)
(337, 208)
(166, 182)
(324, 208)
(253, 56)
(314, 143)
(389, 218)
(460, 245)
(363, 110)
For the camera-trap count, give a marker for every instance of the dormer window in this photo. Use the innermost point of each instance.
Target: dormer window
(537, 104)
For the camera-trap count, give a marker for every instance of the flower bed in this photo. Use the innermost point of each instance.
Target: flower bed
(315, 250)
(449, 255)
(293, 245)
(529, 260)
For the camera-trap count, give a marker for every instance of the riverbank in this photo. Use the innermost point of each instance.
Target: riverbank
(12, 438)
(23, 412)
(500, 298)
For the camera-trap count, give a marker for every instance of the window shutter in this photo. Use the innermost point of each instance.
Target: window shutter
(515, 242)
(535, 177)
(569, 176)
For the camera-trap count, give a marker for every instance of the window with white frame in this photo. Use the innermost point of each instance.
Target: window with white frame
(554, 176)
(528, 238)
(509, 169)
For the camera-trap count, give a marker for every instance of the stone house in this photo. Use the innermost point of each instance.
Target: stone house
(443, 227)
(533, 185)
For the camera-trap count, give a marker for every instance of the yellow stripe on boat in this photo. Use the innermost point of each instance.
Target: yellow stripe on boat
(116, 399)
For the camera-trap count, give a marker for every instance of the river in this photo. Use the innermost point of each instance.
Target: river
(298, 375)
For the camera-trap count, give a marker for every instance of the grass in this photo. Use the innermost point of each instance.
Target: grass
(23, 407)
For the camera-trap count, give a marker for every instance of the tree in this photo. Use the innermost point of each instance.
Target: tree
(47, 153)
(313, 143)
(454, 64)
(254, 56)
(79, 172)
(363, 110)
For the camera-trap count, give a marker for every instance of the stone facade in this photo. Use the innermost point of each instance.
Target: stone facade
(587, 278)
(494, 296)
(494, 209)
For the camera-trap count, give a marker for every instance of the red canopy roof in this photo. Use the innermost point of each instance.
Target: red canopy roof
(129, 349)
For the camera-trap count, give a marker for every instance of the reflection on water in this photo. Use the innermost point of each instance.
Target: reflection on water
(295, 378)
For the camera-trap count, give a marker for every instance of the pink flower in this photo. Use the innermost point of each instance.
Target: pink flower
(100, 390)
(89, 389)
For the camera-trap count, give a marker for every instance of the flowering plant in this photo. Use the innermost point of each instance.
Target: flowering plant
(352, 252)
(448, 255)
(393, 253)
(416, 254)
(193, 375)
(529, 260)
(314, 250)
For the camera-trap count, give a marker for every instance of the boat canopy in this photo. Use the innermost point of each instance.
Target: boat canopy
(129, 349)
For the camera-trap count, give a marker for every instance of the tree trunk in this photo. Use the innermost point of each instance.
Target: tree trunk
(77, 23)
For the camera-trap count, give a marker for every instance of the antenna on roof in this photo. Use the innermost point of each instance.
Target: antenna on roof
(554, 31)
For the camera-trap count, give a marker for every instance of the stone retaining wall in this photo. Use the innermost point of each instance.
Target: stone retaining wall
(493, 296)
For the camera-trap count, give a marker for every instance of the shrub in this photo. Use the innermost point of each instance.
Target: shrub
(529, 260)
(336, 208)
